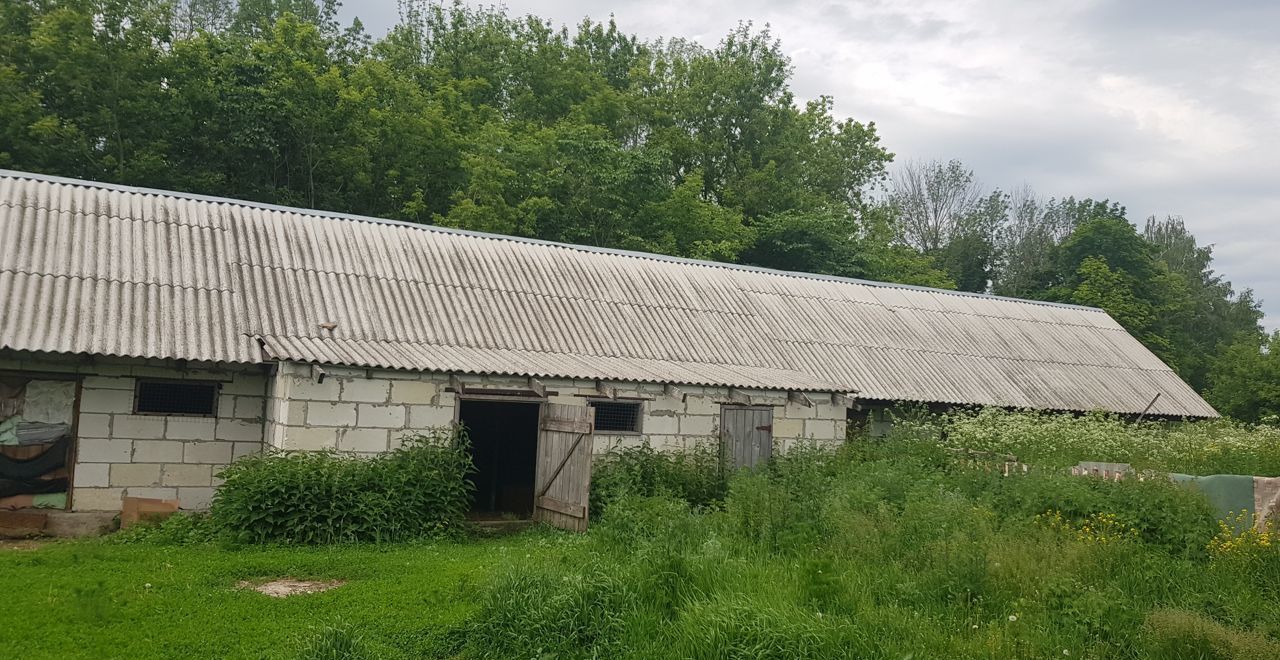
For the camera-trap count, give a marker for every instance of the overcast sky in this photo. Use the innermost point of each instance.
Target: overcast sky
(1166, 106)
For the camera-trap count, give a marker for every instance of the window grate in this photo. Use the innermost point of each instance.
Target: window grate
(617, 416)
(159, 397)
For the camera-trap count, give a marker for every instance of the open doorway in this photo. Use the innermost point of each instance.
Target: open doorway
(504, 448)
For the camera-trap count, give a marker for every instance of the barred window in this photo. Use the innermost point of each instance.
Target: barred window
(167, 397)
(617, 416)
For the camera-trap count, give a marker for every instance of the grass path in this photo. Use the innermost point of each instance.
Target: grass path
(93, 599)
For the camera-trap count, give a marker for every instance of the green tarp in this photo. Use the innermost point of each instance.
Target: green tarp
(1229, 494)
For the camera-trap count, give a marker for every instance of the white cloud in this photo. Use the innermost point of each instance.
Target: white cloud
(1167, 106)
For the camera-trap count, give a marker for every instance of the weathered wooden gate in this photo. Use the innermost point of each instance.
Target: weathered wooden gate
(564, 466)
(746, 434)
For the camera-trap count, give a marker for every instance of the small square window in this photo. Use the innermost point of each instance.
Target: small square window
(168, 397)
(617, 416)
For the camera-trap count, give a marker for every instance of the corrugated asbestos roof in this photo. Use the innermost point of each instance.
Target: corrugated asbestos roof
(113, 270)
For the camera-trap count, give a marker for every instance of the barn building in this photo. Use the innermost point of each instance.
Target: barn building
(149, 338)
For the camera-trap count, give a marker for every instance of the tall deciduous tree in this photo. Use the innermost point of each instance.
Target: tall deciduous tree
(944, 212)
(1244, 382)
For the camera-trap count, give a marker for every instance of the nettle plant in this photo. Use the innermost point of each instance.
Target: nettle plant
(418, 490)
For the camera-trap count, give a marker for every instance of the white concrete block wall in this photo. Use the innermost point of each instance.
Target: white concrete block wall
(122, 454)
(361, 411)
(366, 411)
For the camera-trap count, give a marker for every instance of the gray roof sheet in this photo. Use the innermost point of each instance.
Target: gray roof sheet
(113, 270)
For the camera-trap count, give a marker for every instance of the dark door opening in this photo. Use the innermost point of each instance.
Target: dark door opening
(504, 448)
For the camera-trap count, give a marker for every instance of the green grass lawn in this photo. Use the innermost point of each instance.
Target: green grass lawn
(97, 599)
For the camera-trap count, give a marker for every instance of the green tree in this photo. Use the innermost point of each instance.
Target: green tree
(1244, 382)
(944, 213)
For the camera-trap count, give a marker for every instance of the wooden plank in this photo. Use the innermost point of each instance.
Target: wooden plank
(564, 466)
(560, 506)
(746, 435)
(566, 426)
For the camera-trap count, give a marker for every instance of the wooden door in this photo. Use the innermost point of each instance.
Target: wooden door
(746, 434)
(563, 490)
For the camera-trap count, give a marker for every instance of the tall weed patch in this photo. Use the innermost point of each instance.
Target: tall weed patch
(420, 489)
(888, 549)
(696, 475)
(1047, 439)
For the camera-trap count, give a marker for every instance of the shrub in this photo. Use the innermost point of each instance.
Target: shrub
(1057, 440)
(1182, 634)
(696, 475)
(178, 529)
(1163, 513)
(420, 489)
(532, 613)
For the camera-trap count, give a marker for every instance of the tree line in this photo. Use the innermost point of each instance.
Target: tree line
(480, 119)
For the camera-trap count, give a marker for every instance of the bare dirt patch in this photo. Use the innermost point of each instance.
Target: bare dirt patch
(286, 587)
(23, 544)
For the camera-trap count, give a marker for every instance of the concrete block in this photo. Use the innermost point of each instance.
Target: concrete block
(662, 403)
(246, 385)
(238, 430)
(96, 499)
(245, 449)
(308, 439)
(373, 415)
(94, 425)
(226, 405)
(157, 451)
(820, 429)
(207, 452)
(106, 401)
(696, 424)
(182, 474)
(701, 405)
(107, 383)
(293, 369)
(363, 440)
(563, 399)
(412, 391)
(135, 474)
(151, 491)
(138, 427)
(331, 414)
(274, 437)
(195, 498)
(798, 411)
(429, 417)
(788, 427)
(249, 407)
(190, 428)
(92, 475)
(287, 411)
(79, 524)
(308, 389)
(661, 425)
(371, 390)
(446, 400)
(104, 450)
(828, 411)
